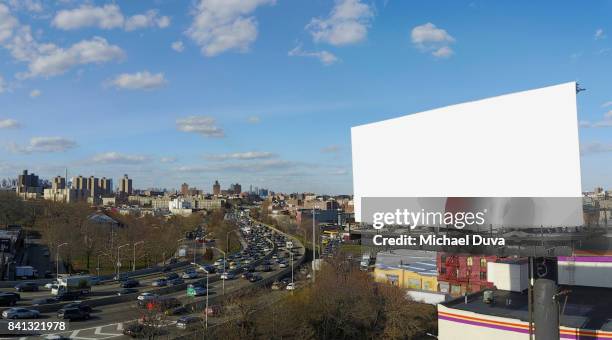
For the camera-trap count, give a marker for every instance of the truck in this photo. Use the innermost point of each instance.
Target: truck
(25, 272)
(367, 260)
(73, 284)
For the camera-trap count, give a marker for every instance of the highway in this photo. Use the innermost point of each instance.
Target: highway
(109, 321)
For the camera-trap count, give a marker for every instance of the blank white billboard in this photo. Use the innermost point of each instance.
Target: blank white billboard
(523, 144)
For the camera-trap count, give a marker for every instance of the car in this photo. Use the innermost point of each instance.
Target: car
(199, 291)
(159, 283)
(290, 286)
(20, 313)
(126, 291)
(26, 287)
(228, 276)
(214, 310)
(276, 285)
(147, 296)
(13, 294)
(172, 276)
(44, 301)
(282, 265)
(50, 284)
(176, 311)
(255, 278)
(7, 300)
(130, 283)
(189, 275)
(189, 322)
(72, 314)
(69, 296)
(135, 330)
(209, 269)
(167, 269)
(176, 281)
(80, 305)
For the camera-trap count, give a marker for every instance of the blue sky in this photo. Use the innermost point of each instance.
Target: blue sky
(264, 92)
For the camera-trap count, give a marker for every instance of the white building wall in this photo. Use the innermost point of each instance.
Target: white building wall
(508, 276)
(592, 272)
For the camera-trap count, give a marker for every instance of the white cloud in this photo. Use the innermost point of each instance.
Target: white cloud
(254, 120)
(606, 104)
(119, 158)
(203, 125)
(168, 159)
(325, 57)
(107, 17)
(139, 81)
(347, 23)
(250, 155)
(331, 149)
(178, 46)
(44, 144)
(34, 6)
(222, 25)
(53, 60)
(149, 19)
(2, 85)
(599, 34)
(35, 93)
(264, 165)
(429, 38)
(8, 124)
(8, 23)
(604, 123)
(591, 148)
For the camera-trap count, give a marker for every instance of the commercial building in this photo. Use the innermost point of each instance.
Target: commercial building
(185, 189)
(409, 269)
(459, 274)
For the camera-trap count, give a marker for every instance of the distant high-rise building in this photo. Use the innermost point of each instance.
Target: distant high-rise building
(59, 182)
(185, 189)
(93, 185)
(80, 183)
(126, 185)
(106, 185)
(235, 189)
(28, 185)
(216, 188)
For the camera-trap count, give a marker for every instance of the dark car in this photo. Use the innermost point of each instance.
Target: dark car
(125, 291)
(246, 275)
(44, 301)
(72, 314)
(26, 287)
(177, 311)
(80, 305)
(137, 330)
(172, 276)
(15, 295)
(129, 283)
(176, 281)
(7, 300)
(255, 278)
(166, 269)
(69, 296)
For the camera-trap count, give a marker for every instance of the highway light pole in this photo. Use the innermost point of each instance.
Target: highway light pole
(179, 243)
(206, 310)
(119, 259)
(98, 267)
(57, 259)
(134, 258)
(224, 264)
(314, 255)
(292, 284)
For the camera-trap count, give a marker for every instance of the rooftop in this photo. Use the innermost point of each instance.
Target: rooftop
(418, 261)
(586, 307)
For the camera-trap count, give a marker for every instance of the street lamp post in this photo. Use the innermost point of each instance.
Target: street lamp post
(98, 267)
(119, 259)
(134, 257)
(224, 264)
(314, 256)
(206, 310)
(292, 284)
(57, 259)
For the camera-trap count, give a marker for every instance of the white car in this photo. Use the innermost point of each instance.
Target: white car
(20, 313)
(51, 284)
(282, 265)
(291, 286)
(147, 296)
(228, 276)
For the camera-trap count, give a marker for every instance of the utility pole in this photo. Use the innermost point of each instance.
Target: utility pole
(314, 255)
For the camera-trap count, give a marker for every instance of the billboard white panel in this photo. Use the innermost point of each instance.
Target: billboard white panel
(523, 144)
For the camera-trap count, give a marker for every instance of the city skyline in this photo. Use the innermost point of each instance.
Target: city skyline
(151, 89)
